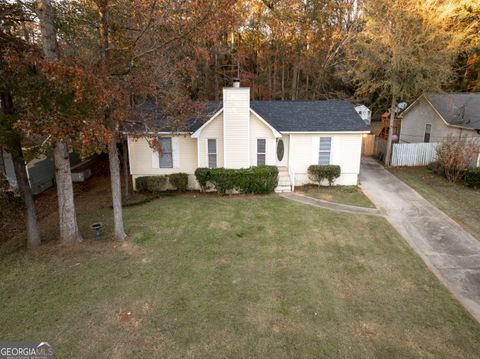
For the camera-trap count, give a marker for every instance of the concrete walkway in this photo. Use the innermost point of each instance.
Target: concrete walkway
(330, 205)
(449, 251)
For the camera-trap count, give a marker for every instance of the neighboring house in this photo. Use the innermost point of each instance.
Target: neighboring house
(434, 117)
(241, 133)
(365, 113)
(40, 171)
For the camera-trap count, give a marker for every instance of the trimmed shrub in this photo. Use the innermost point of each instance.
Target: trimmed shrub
(153, 184)
(179, 181)
(257, 180)
(224, 179)
(260, 180)
(472, 177)
(318, 173)
(202, 174)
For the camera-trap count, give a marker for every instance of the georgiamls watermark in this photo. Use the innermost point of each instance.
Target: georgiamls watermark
(26, 350)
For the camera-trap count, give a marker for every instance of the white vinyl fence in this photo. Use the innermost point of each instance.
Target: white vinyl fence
(413, 154)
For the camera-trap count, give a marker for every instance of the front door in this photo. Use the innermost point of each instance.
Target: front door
(282, 151)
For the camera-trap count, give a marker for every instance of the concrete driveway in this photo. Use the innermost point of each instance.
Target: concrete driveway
(449, 251)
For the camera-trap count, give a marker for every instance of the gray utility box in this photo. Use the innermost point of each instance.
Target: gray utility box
(81, 176)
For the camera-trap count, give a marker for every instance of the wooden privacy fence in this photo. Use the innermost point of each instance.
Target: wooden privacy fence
(368, 145)
(380, 147)
(413, 154)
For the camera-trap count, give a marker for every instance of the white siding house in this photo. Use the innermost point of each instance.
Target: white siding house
(365, 113)
(241, 133)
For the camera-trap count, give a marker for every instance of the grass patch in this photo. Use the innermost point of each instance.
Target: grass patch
(458, 201)
(351, 195)
(145, 237)
(252, 277)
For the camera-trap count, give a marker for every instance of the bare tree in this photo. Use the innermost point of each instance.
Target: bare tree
(456, 155)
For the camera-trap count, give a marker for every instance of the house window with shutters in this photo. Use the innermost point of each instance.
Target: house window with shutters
(165, 156)
(428, 130)
(324, 150)
(212, 152)
(261, 151)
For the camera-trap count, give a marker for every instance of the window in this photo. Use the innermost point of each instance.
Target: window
(261, 150)
(212, 152)
(280, 149)
(428, 130)
(324, 150)
(165, 156)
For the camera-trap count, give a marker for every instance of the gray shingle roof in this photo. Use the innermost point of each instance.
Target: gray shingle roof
(149, 118)
(459, 109)
(294, 116)
(299, 116)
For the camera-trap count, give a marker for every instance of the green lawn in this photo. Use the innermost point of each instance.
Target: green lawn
(351, 195)
(240, 277)
(459, 202)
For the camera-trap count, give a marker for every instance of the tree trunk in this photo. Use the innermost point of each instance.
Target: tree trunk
(293, 93)
(3, 172)
(215, 76)
(103, 31)
(116, 189)
(69, 232)
(48, 30)
(388, 153)
(274, 85)
(33, 234)
(114, 162)
(125, 169)
(25, 33)
(307, 85)
(283, 78)
(269, 76)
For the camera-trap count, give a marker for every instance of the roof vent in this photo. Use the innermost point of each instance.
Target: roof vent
(236, 83)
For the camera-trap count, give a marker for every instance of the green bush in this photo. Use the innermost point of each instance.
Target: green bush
(202, 174)
(472, 177)
(179, 181)
(156, 184)
(318, 173)
(153, 184)
(258, 180)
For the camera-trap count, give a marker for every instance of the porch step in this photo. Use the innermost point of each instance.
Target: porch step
(283, 188)
(284, 184)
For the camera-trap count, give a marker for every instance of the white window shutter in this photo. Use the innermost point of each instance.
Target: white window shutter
(315, 150)
(155, 159)
(333, 151)
(206, 152)
(176, 152)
